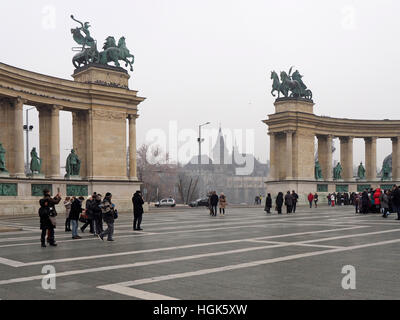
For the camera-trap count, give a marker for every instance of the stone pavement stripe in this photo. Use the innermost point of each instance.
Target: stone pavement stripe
(140, 234)
(135, 293)
(300, 244)
(169, 248)
(143, 263)
(242, 265)
(11, 263)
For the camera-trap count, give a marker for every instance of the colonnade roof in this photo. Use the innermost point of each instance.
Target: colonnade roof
(39, 90)
(336, 127)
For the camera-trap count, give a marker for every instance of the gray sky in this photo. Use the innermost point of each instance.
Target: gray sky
(199, 61)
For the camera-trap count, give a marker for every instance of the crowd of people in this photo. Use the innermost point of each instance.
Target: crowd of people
(96, 211)
(215, 201)
(368, 201)
(289, 200)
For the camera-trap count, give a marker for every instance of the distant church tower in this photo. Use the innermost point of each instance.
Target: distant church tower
(220, 152)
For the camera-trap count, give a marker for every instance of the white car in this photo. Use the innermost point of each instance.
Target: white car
(166, 203)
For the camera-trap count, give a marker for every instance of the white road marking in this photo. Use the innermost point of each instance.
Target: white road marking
(11, 263)
(179, 247)
(131, 292)
(239, 266)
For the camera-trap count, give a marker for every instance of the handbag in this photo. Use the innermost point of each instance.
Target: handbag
(115, 214)
(53, 221)
(83, 218)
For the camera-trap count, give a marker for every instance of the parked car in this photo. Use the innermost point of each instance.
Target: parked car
(166, 203)
(199, 203)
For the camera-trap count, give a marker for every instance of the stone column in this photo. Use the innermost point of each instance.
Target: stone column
(55, 142)
(325, 156)
(289, 155)
(18, 139)
(346, 157)
(370, 158)
(132, 148)
(80, 133)
(329, 158)
(272, 153)
(396, 159)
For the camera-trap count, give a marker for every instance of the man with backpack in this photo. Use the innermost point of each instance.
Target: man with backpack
(109, 214)
(47, 214)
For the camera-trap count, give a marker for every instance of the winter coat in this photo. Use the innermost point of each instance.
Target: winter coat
(365, 199)
(95, 207)
(67, 205)
(138, 202)
(295, 197)
(222, 202)
(377, 196)
(88, 208)
(288, 200)
(310, 197)
(47, 211)
(76, 210)
(396, 197)
(384, 200)
(214, 200)
(107, 209)
(279, 200)
(268, 203)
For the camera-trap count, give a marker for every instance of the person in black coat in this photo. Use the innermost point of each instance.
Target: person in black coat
(365, 202)
(76, 210)
(47, 213)
(214, 199)
(268, 203)
(279, 202)
(89, 213)
(137, 201)
(97, 215)
(395, 196)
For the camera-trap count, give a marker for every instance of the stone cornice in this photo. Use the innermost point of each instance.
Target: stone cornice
(333, 126)
(38, 89)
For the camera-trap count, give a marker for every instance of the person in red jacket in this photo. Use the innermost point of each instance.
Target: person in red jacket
(377, 197)
(310, 199)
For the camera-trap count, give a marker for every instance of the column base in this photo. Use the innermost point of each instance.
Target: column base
(135, 179)
(77, 178)
(19, 175)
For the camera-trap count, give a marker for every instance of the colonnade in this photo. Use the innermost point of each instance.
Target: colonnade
(287, 158)
(12, 138)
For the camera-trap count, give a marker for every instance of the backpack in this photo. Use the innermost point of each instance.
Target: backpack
(44, 212)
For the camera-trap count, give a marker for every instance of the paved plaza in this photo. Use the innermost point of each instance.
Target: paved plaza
(186, 254)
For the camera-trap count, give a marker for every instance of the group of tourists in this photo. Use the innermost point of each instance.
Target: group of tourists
(378, 201)
(313, 198)
(341, 199)
(289, 200)
(215, 201)
(95, 213)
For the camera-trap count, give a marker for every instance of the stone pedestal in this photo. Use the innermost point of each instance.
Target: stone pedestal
(102, 75)
(39, 176)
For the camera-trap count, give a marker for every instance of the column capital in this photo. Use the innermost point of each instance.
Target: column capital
(370, 139)
(19, 102)
(132, 116)
(56, 108)
(346, 138)
(289, 131)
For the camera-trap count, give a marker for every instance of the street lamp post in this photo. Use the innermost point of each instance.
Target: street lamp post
(27, 129)
(200, 140)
